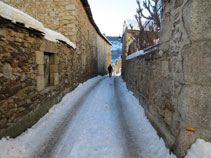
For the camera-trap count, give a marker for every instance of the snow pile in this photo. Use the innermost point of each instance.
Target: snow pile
(55, 36)
(200, 149)
(26, 143)
(150, 143)
(16, 15)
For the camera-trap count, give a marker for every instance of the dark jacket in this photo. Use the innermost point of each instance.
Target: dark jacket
(110, 69)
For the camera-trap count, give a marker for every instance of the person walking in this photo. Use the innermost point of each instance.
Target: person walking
(110, 69)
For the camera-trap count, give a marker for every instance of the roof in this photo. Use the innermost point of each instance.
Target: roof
(17, 16)
(89, 14)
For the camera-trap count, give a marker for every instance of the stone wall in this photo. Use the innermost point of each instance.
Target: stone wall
(129, 41)
(173, 84)
(71, 19)
(128, 38)
(117, 66)
(105, 59)
(36, 73)
(29, 84)
(59, 15)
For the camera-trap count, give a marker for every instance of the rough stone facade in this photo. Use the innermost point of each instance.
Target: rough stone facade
(129, 39)
(173, 84)
(117, 66)
(35, 73)
(71, 19)
(105, 59)
(24, 97)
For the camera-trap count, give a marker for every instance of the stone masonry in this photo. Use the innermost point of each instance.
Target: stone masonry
(24, 97)
(71, 19)
(35, 73)
(174, 83)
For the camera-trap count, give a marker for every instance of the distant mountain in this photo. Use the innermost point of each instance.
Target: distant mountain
(116, 48)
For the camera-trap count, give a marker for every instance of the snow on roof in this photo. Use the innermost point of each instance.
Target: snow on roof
(133, 55)
(55, 36)
(142, 52)
(133, 23)
(16, 15)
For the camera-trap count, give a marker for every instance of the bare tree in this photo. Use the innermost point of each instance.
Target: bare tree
(153, 8)
(139, 19)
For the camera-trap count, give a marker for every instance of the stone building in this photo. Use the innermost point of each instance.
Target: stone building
(131, 38)
(73, 18)
(36, 73)
(173, 83)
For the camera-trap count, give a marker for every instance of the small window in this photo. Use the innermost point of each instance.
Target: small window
(49, 67)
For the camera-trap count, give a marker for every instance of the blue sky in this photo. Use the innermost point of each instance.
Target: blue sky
(109, 15)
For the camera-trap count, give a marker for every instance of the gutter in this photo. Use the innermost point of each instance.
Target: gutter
(89, 14)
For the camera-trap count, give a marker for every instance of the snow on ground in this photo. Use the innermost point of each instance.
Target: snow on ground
(16, 15)
(200, 149)
(95, 132)
(23, 145)
(98, 128)
(150, 143)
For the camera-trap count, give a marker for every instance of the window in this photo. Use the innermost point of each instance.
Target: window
(47, 74)
(50, 69)
(47, 70)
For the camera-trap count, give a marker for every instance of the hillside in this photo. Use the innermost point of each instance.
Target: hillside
(116, 48)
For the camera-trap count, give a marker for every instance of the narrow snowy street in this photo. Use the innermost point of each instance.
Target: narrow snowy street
(100, 118)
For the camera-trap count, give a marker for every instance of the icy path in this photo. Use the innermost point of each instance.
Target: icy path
(100, 119)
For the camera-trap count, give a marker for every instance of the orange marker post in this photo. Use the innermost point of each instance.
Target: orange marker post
(190, 129)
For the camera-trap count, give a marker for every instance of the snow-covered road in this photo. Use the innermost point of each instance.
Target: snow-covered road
(100, 118)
